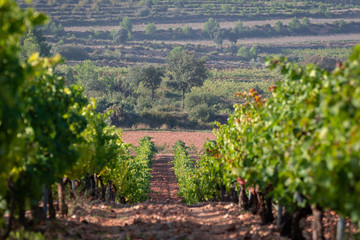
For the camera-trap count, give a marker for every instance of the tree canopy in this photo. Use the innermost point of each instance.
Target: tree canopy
(212, 28)
(126, 24)
(121, 35)
(150, 76)
(185, 71)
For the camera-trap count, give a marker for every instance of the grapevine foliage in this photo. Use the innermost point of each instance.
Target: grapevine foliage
(185, 173)
(13, 75)
(136, 186)
(200, 180)
(50, 132)
(304, 139)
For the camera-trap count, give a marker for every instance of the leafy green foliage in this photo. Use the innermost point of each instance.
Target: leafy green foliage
(121, 35)
(13, 75)
(87, 75)
(50, 131)
(295, 24)
(56, 29)
(211, 27)
(201, 113)
(126, 24)
(52, 115)
(72, 52)
(278, 26)
(239, 27)
(30, 46)
(303, 139)
(201, 106)
(123, 114)
(199, 180)
(185, 71)
(25, 235)
(150, 29)
(246, 53)
(185, 173)
(150, 76)
(136, 186)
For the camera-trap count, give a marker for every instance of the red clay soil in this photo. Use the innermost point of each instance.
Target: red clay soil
(163, 184)
(167, 139)
(162, 217)
(165, 217)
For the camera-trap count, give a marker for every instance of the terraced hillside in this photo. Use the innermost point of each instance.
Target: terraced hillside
(86, 29)
(106, 12)
(234, 36)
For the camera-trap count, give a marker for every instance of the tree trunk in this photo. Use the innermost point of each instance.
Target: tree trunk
(300, 213)
(62, 205)
(46, 199)
(279, 216)
(265, 208)
(340, 229)
(73, 188)
(269, 214)
(243, 199)
(22, 219)
(86, 184)
(21, 207)
(52, 213)
(96, 183)
(103, 190)
(92, 186)
(12, 209)
(317, 225)
(152, 94)
(234, 195)
(108, 192)
(37, 214)
(183, 99)
(253, 202)
(222, 193)
(285, 226)
(114, 194)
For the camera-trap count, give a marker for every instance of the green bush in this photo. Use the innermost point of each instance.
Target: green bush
(73, 53)
(143, 103)
(195, 98)
(246, 53)
(150, 29)
(123, 114)
(143, 12)
(121, 35)
(156, 119)
(201, 106)
(201, 113)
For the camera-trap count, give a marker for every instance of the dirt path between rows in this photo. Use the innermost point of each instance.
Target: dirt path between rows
(161, 217)
(165, 217)
(163, 184)
(166, 139)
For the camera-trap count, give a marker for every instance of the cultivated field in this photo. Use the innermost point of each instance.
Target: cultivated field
(275, 40)
(167, 139)
(200, 25)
